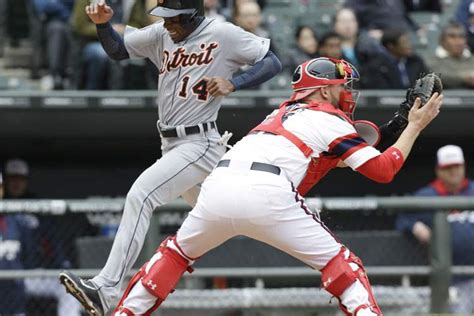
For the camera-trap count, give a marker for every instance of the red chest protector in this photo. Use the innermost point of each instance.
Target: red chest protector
(318, 167)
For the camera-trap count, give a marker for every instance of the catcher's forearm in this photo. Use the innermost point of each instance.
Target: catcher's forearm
(407, 139)
(390, 131)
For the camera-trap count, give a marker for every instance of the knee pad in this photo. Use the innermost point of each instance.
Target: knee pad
(340, 273)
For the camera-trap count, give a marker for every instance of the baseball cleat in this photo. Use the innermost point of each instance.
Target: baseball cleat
(84, 291)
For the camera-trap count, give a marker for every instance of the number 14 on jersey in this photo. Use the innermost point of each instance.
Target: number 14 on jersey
(199, 89)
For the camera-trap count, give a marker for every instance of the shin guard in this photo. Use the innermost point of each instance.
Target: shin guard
(158, 276)
(340, 273)
(163, 272)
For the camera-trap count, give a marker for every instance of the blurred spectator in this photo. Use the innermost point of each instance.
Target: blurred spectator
(53, 240)
(229, 7)
(397, 66)
(357, 46)
(465, 16)
(450, 180)
(54, 16)
(17, 251)
(57, 239)
(376, 16)
(453, 59)
(330, 45)
(306, 48)
(423, 5)
(211, 10)
(16, 180)
(96, 63)
(248, 16)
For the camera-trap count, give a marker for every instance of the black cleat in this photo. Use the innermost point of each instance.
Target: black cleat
(84, 291)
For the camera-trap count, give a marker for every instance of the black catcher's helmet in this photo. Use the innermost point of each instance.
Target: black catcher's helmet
(171, 8)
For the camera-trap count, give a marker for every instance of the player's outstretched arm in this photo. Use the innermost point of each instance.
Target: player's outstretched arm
(424, 88)
(384, 167)
(418, 118)
(112, 42)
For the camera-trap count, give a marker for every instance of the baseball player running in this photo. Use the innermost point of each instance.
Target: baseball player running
(256, 189)
(196, 58)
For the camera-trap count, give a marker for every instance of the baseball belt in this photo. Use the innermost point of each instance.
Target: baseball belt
(259, 166)
(189, 130)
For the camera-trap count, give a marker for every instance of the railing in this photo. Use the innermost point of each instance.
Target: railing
(440, 271)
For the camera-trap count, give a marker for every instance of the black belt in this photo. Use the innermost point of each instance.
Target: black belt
(188, 130)
(259, 166)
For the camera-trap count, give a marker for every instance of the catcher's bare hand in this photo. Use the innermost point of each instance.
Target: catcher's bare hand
(419, 116)
(217, 86)
(99, 13)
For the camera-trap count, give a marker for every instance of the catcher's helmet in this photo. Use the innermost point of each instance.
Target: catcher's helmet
(171, 8)
(324, 71)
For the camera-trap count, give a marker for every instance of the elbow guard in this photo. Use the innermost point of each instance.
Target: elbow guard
(383, 168)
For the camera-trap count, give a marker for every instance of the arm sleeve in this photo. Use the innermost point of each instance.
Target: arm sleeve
(112, 42)
(384, 167)
(262, 71)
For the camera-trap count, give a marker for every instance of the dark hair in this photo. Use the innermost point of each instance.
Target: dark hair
(327, 36)
(300, 29)
(392, 36)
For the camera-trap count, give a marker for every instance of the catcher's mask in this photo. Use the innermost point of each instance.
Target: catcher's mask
(322, 72)
(191, 12)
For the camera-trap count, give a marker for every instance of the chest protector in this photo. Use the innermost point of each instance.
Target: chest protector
(317, 167)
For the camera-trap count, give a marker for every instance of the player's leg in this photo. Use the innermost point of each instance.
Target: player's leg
(200, 232)
(176, 172)
(292, 228)
(191, 195)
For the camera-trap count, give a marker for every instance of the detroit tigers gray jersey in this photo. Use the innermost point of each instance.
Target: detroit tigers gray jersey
(214, 49)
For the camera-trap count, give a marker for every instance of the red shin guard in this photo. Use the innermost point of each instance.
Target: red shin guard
(338, 275)
(159, 276)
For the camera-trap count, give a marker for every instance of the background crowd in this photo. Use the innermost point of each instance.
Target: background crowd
(384, 35)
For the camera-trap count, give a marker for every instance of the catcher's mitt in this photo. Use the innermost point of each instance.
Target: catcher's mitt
(424, 88)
